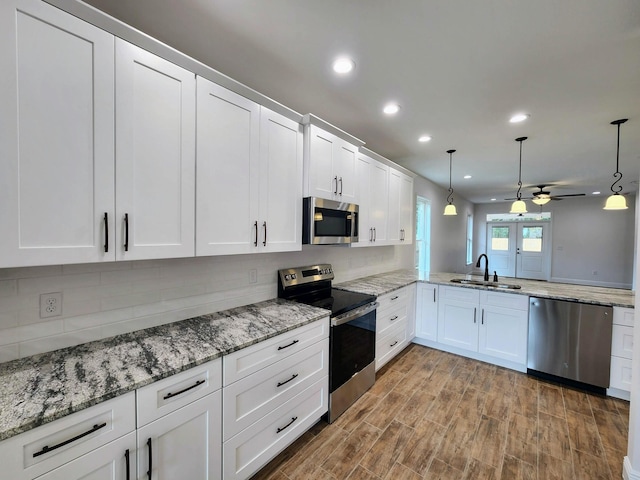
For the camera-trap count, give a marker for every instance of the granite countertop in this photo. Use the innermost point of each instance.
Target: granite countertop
(388, 282)
(39, 389)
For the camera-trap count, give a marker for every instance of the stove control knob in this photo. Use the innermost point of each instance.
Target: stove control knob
(293, 276)
(287, 277)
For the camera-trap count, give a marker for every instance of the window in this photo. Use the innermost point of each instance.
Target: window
(423, 235)
(532, 239)
(500, 238)
(469, 239)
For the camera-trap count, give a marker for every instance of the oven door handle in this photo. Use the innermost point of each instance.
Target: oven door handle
(353, 314)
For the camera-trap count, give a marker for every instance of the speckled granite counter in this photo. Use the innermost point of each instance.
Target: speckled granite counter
(42, 388)
(388, 282)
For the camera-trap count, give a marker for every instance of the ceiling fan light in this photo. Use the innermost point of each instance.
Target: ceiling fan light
(518, 207)
(450, 210)
(541, 200)
(616, 202)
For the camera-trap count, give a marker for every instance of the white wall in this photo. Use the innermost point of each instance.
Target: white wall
(448, 234)
(586, 238)
(102, 300)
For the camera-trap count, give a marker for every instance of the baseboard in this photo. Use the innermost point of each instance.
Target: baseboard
(617, 393)
(628, 473)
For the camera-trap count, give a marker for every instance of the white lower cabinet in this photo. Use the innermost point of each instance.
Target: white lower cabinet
(427, 311)
(273, 392)
(183, 444)
(96, 443)
(490, 323)
(179, 425)
(395, 323)
(621, 352)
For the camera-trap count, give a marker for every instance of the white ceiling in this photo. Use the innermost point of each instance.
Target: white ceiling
(458, 68)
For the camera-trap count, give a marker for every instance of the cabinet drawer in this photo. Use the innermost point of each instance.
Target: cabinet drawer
(620, 373)
(165, 396)
(252, 448)
(391, 343)
(393, 298)
(251, 359)
(507, 300)
(460, 294)
(623, 316)
(33, 453)
(622, 341)
(390, 317)
(255, 396)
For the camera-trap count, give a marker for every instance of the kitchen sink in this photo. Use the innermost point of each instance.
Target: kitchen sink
(481, 283)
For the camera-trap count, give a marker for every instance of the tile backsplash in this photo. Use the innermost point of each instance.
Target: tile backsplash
(106, 299)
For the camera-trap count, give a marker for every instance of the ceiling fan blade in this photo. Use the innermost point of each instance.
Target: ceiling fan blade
(569, 195)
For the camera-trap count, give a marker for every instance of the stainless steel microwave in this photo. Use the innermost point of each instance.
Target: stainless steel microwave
(327, 222)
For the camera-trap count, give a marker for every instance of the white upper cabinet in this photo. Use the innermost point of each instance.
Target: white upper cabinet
(249, 180)
(280, 215)
(57, 137)
(373, 195)
(227, 156)
(155, 156)
(330, 166)
(400, 225)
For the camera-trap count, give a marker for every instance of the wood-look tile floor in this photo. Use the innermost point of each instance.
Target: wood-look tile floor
(433, 415)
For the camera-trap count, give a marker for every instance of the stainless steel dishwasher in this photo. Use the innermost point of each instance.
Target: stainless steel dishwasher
(570, 341)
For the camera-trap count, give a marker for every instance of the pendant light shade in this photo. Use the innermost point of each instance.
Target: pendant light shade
(540, 200)
(617, 201)
(450, 209)
(519, 206)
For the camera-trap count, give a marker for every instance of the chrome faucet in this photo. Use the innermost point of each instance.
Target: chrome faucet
(486, 265)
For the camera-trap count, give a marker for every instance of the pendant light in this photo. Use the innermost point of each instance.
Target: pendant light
(450, 209)
(617, 201)
(519, 206)
(541, 200)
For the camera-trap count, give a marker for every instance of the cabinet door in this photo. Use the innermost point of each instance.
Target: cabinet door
(458, 324)
(56, 139)
(344, 167)
(406, 209)
(363, 186)
(155, 156)
(379, 201)
(227, 157)
(427, 312)
(393, 223)
(114, 461)
(503, 333)
(184, 444)
(321, 181)
(280, 183)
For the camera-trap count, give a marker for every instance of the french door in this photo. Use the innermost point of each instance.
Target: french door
(521, 250)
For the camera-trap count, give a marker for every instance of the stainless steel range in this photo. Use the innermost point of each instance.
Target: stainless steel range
(352, 338)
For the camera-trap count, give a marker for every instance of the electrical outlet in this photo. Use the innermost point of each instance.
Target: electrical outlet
(50, 305)
(253, 276)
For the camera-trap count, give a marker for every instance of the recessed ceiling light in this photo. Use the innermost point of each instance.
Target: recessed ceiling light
(391, 108)
(467, 176)
(519, 117)
(493, 199)
(343, 65)
(424, 138)
(596, 193)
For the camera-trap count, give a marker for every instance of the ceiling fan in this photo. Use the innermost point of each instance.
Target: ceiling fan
(543, 196)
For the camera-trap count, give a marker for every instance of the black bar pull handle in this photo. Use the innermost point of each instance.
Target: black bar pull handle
(340, 186)
(127, 463)
(280, 429)
(394, 298)
(287, 381)
(395, 317)
(474, 314)
(255, 241)
(170, 395)
(288, 345)
(150, 459)
(434, 295)
(126, 232)
(394, 344)
(47, 449)
(335, 179)
(106, 232)
(482, 321)
(264, 226)
(375, 234)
